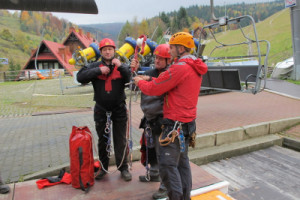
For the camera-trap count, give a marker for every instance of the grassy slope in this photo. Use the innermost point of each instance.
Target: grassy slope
(8, 49)
(276, 29)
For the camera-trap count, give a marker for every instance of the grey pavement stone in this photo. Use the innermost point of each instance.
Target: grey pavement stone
(34, 143)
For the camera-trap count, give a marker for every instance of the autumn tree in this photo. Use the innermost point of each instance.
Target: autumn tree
(144, 28)
(6, 35)
(126, 31)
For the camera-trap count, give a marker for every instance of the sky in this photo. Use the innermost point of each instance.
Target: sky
(111, 11)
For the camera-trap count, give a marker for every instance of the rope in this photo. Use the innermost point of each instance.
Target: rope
(130, 87)
(109, 128)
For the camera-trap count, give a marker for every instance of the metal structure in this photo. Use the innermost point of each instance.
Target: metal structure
(225, 75)
(67, 6)
(295, 23)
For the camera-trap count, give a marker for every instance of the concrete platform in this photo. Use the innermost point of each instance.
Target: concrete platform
(112, 187)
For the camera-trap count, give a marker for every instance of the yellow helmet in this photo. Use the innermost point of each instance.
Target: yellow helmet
(183, 38)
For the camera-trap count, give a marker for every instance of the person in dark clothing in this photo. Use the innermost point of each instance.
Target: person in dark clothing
(181, 85)
(109, 77)
(152, 107)
(3, 188)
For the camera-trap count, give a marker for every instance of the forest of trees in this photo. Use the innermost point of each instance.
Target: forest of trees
(189, 19)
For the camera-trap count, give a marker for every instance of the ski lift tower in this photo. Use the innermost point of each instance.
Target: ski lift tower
(294, 5)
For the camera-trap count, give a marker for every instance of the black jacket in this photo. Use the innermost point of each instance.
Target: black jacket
(152, 106)
(108, 89)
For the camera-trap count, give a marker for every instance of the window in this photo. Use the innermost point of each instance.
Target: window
(51, 65)
(40, 65)
(45, 64)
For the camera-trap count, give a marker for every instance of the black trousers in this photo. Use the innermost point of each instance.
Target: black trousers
(118, 136)
(174, 167)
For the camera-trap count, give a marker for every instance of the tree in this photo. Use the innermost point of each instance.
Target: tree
(14, 68)
(6, 35)
(165, 19)
(182, 19)
(126, 31)
(135, 28)
(144, 28)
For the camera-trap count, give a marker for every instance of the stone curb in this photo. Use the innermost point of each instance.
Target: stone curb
(244, 133)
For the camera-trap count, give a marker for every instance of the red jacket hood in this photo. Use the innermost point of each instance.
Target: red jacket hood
(196, 63)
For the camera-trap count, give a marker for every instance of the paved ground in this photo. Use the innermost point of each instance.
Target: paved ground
(283, 87)
(33, 143)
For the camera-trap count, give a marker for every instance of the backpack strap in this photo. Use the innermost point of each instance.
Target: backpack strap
(80, 164)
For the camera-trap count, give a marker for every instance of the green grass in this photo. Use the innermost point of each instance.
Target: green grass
(27, 97)
(295, 82)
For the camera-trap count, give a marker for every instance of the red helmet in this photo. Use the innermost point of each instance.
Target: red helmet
(106, 42)
(162, 50)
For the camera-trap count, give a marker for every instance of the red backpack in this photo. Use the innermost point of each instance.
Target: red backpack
(81, 158)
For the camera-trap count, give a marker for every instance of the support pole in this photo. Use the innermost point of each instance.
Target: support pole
(295, 23)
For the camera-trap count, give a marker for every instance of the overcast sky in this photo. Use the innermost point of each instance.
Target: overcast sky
(122, 10)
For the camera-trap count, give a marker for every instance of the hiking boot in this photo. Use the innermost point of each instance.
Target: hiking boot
(3, 188)
(151, 178)
(126, 176)
(100, 175)
(160, 194)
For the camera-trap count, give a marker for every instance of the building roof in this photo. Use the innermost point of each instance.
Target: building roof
(60, 52)
(85, 39)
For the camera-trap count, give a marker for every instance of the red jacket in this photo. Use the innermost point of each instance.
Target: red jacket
(181, 83)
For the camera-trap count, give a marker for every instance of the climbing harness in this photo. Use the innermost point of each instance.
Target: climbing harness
(175, 132)
(107, 131)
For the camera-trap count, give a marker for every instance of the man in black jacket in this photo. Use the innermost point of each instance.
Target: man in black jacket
(152, 107)
(109, 77)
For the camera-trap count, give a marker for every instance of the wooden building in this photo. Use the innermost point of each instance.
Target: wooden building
(52, 58)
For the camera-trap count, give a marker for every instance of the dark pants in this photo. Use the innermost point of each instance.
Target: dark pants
(153, 153)
(153, 144)
(174, 165)
(118, 136)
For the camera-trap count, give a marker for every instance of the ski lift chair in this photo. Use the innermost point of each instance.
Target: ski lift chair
(242, 76)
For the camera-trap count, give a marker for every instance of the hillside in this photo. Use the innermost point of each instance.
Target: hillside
(276, 29)
(8, 48)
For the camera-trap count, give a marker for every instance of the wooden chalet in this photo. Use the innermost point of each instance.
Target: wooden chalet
(53, 58)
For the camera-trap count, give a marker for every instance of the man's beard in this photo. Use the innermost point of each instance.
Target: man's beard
(108, 59)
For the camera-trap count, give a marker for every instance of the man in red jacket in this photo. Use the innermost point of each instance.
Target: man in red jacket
(181, 85)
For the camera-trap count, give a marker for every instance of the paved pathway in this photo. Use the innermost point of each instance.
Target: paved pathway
(33, 143)
(283, 87)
